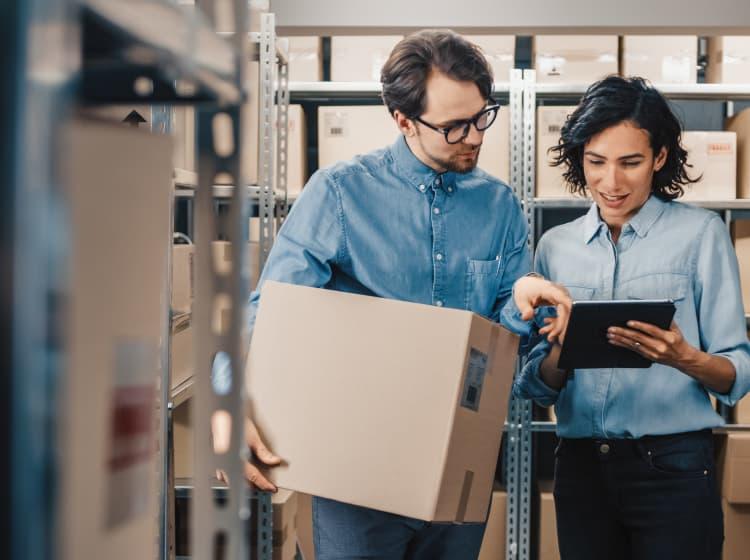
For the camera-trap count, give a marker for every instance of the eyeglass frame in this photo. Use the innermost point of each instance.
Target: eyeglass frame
(466, 123)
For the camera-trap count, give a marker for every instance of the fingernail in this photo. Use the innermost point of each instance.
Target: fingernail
(631, 323)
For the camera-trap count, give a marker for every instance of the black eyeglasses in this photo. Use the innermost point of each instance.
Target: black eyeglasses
(460, 130)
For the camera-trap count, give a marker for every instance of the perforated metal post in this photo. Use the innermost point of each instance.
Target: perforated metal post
(282, 141)
(266, 127)
(219, 530)
(511, 456)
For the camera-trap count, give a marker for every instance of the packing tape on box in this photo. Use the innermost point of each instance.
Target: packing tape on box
(463, 502)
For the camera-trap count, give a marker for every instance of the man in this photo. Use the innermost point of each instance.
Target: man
(415, 221)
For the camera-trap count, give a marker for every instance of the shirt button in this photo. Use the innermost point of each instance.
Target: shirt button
(436, 210)
(439, 303)
(450, 189)
(604, 448)
(439, 256)
(439, 181)
(422, 188)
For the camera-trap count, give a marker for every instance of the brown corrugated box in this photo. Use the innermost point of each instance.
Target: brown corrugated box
(305, 59)
(304, 526)
(182, 437)
(494, 156)
(284, 524)
(548, 547)
(575, 58)
(741, 236)
(115, 327)
(740, 124)
(182, 277)
(413, 396)
(736, 530)
(500, 52)
(549, 180)
(713, 156)
(728, 60)
(495, 534)
(742, 411)
(360, 59)
(344, 132)
(734, 466)
(661, 59)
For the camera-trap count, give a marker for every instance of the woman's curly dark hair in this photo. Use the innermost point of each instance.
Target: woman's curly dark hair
(614, 100)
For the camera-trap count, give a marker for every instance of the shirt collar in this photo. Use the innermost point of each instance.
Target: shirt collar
(640, 223)
(419, 175)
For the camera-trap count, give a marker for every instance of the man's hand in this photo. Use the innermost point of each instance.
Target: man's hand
(260, 452)
(530, 292)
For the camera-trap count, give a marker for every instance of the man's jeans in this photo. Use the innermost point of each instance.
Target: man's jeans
(343, 531)
(653, 498)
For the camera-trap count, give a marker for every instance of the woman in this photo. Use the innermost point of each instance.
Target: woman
(634, 472)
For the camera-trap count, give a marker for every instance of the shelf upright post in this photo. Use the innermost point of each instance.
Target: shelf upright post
(267, 201)
(282, 140)
(220, 333)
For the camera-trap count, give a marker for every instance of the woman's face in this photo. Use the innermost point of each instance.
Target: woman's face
(619, 167)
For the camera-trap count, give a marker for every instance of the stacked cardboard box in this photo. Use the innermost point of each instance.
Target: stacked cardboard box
(741, 236)
(549, 180)
(114, 339)
(740, 125)
(713, 157)
(661, 59)
(305, 59)
(734, 470)
(728, 60)
(495, 535)
(500, 52)
(575, 59)
(548, 547)
(360, 59)
(358, 363)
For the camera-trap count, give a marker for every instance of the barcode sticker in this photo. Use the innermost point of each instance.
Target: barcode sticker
(477, 369)
(335, 125)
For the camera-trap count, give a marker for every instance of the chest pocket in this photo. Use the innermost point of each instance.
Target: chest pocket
(483, 284)
(665, 285)
(580, 293)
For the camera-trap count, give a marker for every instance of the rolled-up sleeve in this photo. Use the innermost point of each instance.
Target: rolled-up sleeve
(528, 383)
(722, 325)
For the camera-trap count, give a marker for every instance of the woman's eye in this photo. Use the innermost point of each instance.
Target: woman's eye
(596, 162)
(631, 163)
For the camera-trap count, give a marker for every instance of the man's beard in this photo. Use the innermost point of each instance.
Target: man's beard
(455, 163)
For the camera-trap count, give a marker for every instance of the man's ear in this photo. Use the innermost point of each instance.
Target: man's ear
(405, 124)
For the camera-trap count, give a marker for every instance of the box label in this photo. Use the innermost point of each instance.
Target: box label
(474, 380)
(335, 125)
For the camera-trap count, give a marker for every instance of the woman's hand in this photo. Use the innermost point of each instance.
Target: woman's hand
(666, 347)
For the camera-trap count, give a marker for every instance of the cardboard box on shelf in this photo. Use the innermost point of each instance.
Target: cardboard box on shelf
(296, 160)
(713, 156)
(661, 59)
(728, 60)
(736, 530)
(183, 274)
(734, 468)
(305, 59)
(495, 534)
(548, 547)
(549, 180)
(184, 137)
(494, 157)
(574, 58)
(344, 132)
(181, 351)
(500, 52)
(360, 59)
(358, 364)
(284, 525)
(742, 411)
(304, 526)
(182, 436)
(741, 237)
(740, 125)
(114, 338)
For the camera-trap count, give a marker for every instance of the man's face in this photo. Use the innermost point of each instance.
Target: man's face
(448, 101)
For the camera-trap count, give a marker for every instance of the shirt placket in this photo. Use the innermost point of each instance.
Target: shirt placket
(437, 215)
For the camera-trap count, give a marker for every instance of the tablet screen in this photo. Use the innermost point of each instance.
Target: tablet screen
(586, 344)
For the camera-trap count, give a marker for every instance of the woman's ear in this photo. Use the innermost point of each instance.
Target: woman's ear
(404, 123)
(661, 159)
